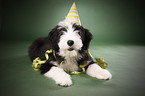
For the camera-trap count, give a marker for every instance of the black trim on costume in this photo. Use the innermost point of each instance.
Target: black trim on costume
(86, 67)
(46, 67)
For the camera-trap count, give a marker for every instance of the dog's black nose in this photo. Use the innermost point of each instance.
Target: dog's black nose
(70, 42)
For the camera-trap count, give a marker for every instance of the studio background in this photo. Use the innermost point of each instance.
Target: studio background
(119, 38)
(110, 21)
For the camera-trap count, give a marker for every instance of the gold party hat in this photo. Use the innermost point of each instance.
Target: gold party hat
(73, 15)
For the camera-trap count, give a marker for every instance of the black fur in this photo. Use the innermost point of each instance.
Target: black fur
(40, 45)
(86, 37)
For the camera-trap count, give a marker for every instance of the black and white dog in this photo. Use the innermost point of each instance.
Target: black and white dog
(70, 42)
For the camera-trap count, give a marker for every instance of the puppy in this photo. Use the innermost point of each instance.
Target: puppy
(69, 42)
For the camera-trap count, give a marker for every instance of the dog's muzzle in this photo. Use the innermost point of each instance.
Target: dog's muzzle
(70, 43)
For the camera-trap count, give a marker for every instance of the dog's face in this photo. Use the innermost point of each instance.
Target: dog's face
(70, 38)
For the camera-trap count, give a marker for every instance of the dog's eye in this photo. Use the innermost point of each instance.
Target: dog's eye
(63, 29)
(77, 31)
(61, 33)
(76, 28)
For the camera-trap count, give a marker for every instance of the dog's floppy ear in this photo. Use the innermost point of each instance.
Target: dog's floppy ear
(53, 37)
(87, 38)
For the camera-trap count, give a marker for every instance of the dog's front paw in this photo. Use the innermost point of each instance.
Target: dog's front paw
(104, 74)
(64, 81)
(60, 76)
(95, 70)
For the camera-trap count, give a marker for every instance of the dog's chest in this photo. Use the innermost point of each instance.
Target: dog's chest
(70, 64)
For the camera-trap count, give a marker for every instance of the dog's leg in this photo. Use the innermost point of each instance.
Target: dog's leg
(60, 76)
(95, 70)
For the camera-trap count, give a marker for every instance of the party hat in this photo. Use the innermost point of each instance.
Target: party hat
(73, 15)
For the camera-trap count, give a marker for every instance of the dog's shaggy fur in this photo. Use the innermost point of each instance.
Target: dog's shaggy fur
(70, 42)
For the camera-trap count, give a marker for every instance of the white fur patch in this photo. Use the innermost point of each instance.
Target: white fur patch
(60, 77)
(70, 64)
(95, 70)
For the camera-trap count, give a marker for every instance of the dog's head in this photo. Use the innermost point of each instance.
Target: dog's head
(68, 37)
